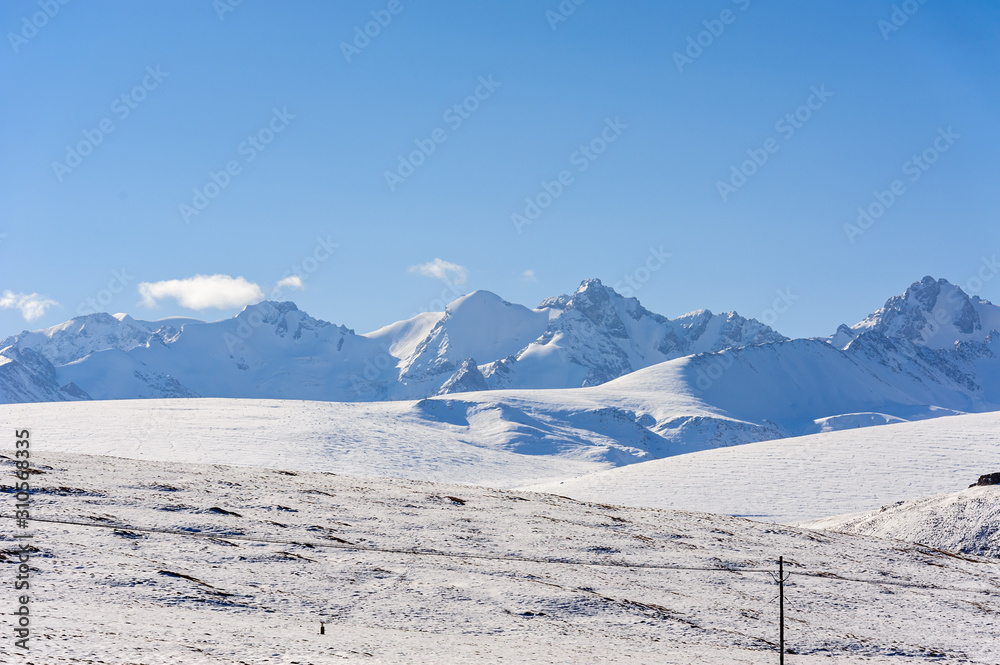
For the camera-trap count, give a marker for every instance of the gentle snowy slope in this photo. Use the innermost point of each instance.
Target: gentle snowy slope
(115, 374)
(809, 477)
(801, 381)
(561, 449)
(255, 559)
(379, 439)
(966, 521)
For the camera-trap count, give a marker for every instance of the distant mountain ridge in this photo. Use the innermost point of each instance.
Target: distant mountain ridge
(582, 367)
(274, 350)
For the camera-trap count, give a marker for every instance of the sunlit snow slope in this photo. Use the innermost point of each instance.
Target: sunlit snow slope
(967, 521)
(807, 477)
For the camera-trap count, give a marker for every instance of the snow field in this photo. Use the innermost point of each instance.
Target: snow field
(257, 557)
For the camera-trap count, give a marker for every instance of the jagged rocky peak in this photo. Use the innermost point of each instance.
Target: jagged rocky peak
(601, 305)
(932, 312)
(268, 310)
(284, 316)
(589, 291)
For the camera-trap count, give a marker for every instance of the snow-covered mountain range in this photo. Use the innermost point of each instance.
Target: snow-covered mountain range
(591, 367)
(274, 350)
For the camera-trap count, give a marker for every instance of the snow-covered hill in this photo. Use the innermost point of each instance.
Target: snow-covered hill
(162, 563)
(809, 477)
(967, 521)
(568, 449)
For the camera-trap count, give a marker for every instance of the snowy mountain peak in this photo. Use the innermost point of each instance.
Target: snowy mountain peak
(268, 308)
(480, 324)
(273, 349)
(477, 300)
(592, 286)
(933, 313)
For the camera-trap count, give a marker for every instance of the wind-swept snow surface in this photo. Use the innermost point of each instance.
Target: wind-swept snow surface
(175, 563)
(384, 439)
(808, 477)
(560, 447)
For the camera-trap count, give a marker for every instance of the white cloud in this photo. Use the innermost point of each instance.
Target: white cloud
(529, 276)
(32, 305)
(202, 292)
(444, 270)
(292, 282)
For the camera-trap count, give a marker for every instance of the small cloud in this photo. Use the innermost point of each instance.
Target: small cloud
(528, 276)
(32, 305)
(443, 270)
(202, 292)
(291, 282)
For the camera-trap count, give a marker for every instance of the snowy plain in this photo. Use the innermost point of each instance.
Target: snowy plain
(164, 562)
(782, 480)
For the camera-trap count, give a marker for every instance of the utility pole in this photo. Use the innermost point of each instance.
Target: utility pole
(781, 609)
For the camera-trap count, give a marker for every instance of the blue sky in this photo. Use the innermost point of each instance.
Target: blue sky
(642, 138)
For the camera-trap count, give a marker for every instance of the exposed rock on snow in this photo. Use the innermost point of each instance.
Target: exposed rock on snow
(987, 479)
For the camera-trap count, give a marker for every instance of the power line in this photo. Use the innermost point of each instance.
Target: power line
(492, 557)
